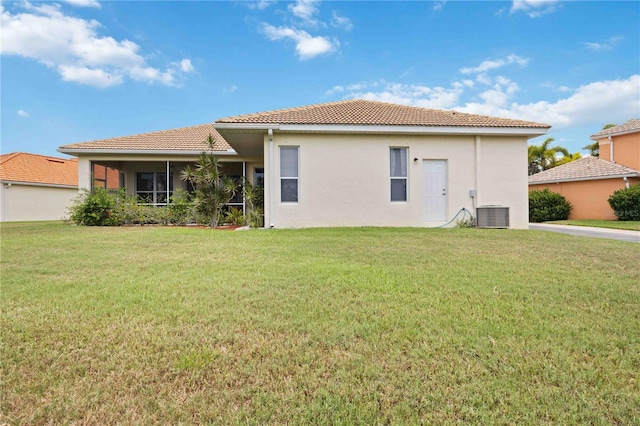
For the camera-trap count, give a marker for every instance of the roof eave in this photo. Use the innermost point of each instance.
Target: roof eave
(80, 151)
(595, 137)
(49, 185)
(383, 129)
(627, 175)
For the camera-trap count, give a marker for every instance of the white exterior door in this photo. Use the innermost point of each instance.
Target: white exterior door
(434, 179)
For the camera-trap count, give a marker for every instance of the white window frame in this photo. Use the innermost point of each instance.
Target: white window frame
(296, 178)
(402, 178)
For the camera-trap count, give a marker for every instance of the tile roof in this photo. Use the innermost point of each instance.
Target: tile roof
(193, 138)
(33, 168)
(585, 168)
(362, 112)
(630, 126)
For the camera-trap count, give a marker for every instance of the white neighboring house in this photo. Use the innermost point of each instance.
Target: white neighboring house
(346, 163)
(36, 187)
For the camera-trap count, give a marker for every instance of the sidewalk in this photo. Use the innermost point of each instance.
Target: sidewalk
(588, 231)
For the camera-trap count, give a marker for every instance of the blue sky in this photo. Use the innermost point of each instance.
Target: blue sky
(79, 70)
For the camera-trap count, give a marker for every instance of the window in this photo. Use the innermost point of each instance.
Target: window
(151, 187)
(289, 174)
(399, 174)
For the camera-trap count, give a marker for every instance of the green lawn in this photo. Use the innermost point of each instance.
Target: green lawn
(151, 325)
(632, 225)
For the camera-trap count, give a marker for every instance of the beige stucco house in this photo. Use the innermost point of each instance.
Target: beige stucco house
(588, 183)
(36, 187)
(346, 163)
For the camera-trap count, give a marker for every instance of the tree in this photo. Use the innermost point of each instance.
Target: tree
(565, 159)
(594, 148)
(542, 157)
(212, 189)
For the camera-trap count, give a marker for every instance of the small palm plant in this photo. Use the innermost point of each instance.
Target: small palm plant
(212, 189)
(254, 198)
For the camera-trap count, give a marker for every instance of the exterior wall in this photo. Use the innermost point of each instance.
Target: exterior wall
(503, 177)
(626, 150)
(20, 202)
(589, 198)
(344, 180)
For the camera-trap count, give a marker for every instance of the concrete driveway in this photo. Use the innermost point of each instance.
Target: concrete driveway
(587, 231)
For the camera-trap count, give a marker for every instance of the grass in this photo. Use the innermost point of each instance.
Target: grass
(631, 225)
(151, 325)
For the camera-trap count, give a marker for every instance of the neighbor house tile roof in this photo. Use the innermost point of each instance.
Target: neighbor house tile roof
(362, 112)
(33, 168)
(630, 126)
(193, 138)
(586, 168)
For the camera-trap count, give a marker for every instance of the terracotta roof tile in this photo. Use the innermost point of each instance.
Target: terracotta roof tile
(193, 138)
(32, 168)
(630, 126)
(362, 112)
(582, 169)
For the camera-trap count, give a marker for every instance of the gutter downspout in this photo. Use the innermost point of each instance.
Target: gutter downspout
(626, 182)
(476, 198)
(611, 150)
(271, 172)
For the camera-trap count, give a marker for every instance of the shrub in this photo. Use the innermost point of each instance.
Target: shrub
(181, 210)
(95, 208)
(546, 205)
(256, 218)
(234, 216)
(626, 203)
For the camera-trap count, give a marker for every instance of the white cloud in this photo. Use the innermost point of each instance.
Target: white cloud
(22, 113)
(607, 45)
(74, 49)
(83, 3)
(343, 22)
(307, 46)
(88, 76)
(489, 65)
(612, 100)
(496, 95)
(438, 5)
(408, 94)
(303, 13)
(304, 9)
(186, 65)
(230, 89)
(534, 8)
(260, 5)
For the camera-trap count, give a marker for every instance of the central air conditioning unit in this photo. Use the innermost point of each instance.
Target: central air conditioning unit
(492, 217)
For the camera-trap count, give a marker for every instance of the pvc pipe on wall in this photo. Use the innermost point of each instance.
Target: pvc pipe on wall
(613, 160)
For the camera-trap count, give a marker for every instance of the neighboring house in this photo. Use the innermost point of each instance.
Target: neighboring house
(347, 163)
(36, 187)
(588, 182)
(621, 144)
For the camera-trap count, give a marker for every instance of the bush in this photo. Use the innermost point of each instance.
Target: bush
(94, 208)
(626, 203)
(102, 207)
(181, 210)
(546, 205)
(234, 216)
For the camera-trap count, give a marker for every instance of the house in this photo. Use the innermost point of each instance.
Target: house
(36, 187)
(346, 163)
(621, 144)
(588, 182)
